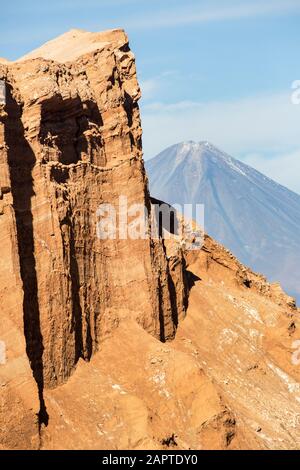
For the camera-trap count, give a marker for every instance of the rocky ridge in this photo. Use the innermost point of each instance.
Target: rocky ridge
(120, 344)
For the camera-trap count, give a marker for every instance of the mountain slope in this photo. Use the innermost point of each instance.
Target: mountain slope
(256, 218)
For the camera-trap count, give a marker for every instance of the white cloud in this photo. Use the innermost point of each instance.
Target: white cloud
(264, 125)
(212, 11)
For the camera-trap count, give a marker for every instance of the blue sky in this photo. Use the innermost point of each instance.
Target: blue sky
(218, 70)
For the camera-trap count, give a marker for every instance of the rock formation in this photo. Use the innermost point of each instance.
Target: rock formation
(235, 197)
(120, 344)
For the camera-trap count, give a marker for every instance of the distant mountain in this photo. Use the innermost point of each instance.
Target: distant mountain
(256, 218)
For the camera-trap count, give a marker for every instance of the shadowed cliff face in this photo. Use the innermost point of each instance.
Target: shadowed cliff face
(114, 342)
